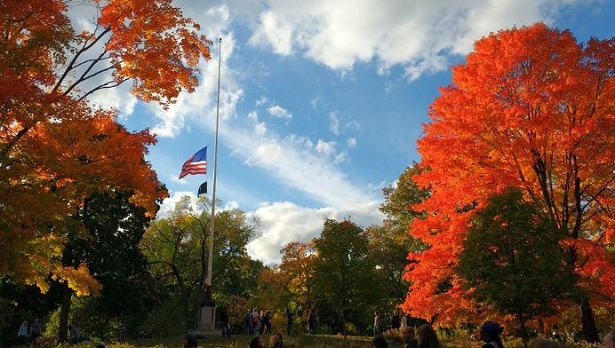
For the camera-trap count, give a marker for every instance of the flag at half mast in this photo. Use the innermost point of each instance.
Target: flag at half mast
(197, 164)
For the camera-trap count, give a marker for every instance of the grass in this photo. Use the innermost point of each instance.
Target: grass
(308, 341)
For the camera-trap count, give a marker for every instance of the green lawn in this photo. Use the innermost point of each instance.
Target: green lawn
(309, 341)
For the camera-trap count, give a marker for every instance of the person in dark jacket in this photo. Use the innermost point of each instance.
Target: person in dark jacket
(277, 341)
(224, 323)
(379, 342)
(190, 341)
(407, 333)
(426, 337)
(490, 333)
(256, 342)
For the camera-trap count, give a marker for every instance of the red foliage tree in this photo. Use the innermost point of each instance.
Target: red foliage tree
(530, 108)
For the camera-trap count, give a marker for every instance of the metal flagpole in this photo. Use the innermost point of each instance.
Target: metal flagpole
(213, 195)
(207, 316)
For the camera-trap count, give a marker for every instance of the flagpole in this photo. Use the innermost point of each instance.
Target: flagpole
(213, 195)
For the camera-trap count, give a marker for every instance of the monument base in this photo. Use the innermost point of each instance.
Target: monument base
(206, 326)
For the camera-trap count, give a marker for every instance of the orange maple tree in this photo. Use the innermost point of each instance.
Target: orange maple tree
(55, 149)
(530, 108)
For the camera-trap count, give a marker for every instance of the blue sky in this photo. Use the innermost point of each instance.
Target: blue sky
(322, 101)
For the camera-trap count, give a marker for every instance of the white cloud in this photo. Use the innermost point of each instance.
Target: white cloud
(279, 112)
(334, 123)
(274, 31)
(285, 222)
(260, 129)
(351, 142)
(415, 34)
(326, 148)
(261, 101)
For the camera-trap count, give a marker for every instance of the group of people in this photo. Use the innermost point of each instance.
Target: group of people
(398, 321)
(426, 337)
(258, 321)
(257, 342)
(26, 333)
(35, 330)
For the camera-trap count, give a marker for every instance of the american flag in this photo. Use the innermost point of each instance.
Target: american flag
(197, 164)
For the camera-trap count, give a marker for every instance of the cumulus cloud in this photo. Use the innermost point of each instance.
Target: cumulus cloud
(326, 148)
(415, 34)
(279, 112)
(285, 222)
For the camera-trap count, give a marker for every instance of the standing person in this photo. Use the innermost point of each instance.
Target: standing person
(407, 334)
(255, 317)
(22, 333)
(395, 320)
(123, 333)
(266, 323)
(224, 323)
(609, 340)
(247, 320)
(35, 330)
(403, 321)
(376, 323)
(312, 321)
(73, 337)
(289, 321)
(261, 324)
(277, 341)
(490, 333)
(379, 342)
(426, 337)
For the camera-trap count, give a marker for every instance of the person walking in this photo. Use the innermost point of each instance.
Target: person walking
(376, 323)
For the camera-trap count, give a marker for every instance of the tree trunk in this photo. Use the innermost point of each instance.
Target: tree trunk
(67, 293)
(524, 335)
(589, 324)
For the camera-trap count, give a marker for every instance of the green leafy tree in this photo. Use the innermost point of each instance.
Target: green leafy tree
(513, 259)
(110, 247)
(177, 251)
(399, 199)
(391, 242)
(345, 275)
